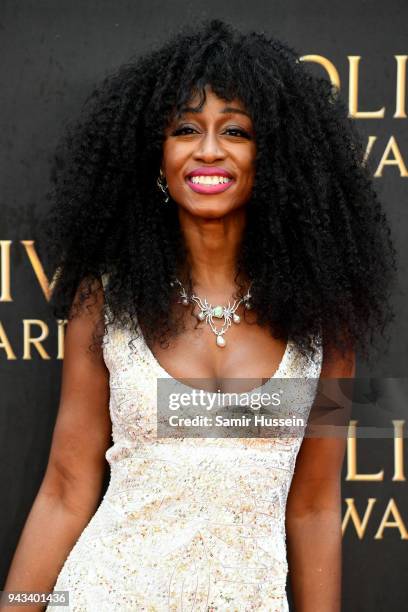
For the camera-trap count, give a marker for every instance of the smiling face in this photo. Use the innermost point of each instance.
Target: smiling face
(209, 157)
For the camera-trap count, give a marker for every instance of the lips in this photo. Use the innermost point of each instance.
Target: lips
(209, 171)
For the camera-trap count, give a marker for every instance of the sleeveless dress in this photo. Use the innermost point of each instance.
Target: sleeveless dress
(193, 524)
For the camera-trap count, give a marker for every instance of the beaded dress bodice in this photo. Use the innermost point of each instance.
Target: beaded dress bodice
(192, 524)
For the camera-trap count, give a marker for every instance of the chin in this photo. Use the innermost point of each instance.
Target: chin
(210, 211)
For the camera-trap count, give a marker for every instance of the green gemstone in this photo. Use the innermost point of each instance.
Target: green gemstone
(218, 312)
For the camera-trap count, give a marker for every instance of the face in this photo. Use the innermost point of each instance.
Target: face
(209, 157)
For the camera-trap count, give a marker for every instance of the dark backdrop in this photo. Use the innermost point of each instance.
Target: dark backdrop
(52, 53)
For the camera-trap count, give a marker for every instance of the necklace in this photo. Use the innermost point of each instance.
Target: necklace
(208, 312)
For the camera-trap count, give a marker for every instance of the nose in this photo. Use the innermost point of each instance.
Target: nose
(209, 148)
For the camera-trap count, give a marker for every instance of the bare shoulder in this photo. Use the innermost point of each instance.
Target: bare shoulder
(82, 430)
(316, 482)
(336, 363)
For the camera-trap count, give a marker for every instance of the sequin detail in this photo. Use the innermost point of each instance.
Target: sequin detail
(192, 524)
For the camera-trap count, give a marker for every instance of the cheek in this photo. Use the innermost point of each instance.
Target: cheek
(247, 160)
(248, 169)
(173, 158)
(174, 161)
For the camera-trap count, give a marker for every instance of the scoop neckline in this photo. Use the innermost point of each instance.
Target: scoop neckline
(167, 374)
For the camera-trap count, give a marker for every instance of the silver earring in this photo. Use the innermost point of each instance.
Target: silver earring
(163, 186)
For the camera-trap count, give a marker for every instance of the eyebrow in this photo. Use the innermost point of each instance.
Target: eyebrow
(227, 109)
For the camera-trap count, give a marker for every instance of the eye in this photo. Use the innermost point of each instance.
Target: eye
(238, 132)
(233, 131)
(183, 130)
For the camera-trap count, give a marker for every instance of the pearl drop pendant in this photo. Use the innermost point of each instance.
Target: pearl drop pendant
(207, 312)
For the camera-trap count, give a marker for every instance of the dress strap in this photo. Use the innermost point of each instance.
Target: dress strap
(105, 281)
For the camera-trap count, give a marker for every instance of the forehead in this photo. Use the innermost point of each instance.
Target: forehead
(212, 102)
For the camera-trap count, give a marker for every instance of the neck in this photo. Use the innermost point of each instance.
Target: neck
(212, 246)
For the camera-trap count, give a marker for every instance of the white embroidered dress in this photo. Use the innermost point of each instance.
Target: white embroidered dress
(193, 524)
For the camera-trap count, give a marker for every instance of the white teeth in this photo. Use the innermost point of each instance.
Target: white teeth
(209, 180)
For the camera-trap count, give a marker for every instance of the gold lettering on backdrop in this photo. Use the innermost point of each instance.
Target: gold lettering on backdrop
(28, 340)
(5, 269)
(401, 86)
(354, 76)
(399, 475)
(5, 344)
(397, 523)
(327, 65)
(55, 278)
(61, 337)
(354, 61)
(370, 144)
(37, 267)
(351, 513)
(5, 295)
(352, 458)
(397, 160)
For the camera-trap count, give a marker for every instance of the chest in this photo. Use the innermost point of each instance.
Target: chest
(250, 352)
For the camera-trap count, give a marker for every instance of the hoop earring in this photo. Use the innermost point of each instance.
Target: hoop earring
(163, 186)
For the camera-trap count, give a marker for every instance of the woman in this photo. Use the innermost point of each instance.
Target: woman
(213, 220)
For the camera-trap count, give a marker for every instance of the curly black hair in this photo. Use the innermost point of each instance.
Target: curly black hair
(317, 244)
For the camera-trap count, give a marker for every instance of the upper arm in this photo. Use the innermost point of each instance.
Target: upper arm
(316, 483)
(82, 430)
